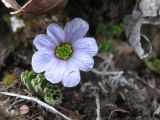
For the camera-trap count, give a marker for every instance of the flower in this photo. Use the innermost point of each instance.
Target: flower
(62, 53)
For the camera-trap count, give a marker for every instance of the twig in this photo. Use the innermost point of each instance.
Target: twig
(157, 113)
(14, 103)
(98, 107)
(10, 86)
(116, 110)
(99, 55)
(48, 107)
(67, 111)
(106, 67)
(103, 88)
(107, 73)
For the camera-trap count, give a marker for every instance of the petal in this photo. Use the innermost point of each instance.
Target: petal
(83, 61)
(56, 71)
(55, 32)
(40, 61)
(43, 42)
(86, 45)
(76, 29)
(71, 76)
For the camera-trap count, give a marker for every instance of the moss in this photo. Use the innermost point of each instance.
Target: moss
(9, 79)
(107, 32)
(153, 63)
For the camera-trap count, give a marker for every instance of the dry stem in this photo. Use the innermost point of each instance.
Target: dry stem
(48, 107)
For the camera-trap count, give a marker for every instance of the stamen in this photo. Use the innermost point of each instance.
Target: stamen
(64, 51)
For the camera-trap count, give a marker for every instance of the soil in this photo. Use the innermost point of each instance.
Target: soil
(139, 101)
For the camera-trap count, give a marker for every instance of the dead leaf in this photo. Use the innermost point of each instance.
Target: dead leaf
(139, 42)
(149, 8)
(150, 11)
(150, 20)
(35, 6)
(11, 4)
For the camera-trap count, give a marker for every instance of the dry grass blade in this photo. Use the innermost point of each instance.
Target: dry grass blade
(116, 110)
(48, 107)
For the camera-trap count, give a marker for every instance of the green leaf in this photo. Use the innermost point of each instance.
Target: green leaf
(52, 94)
(26, 78)
(38, 85)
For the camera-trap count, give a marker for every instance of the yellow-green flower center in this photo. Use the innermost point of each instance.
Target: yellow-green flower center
(64, 51)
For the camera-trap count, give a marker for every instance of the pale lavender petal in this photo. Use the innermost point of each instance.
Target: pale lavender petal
(86, 45)
(43, 42)
(71, 76)
(40, 61)
(76, 29)
(56, 71)
(83, 61)
(56, 33)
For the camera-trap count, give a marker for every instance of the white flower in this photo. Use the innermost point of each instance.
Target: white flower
(63, 52)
